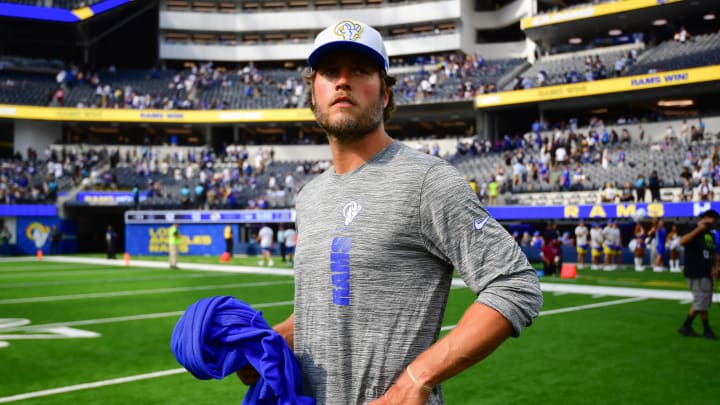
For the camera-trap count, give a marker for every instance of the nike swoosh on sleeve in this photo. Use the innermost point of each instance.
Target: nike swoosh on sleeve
(480, 224)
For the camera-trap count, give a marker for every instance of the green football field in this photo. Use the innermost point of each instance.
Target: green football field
(98, 333)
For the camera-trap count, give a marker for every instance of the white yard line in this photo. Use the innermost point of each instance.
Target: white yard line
(65, 273)
(114, 280)
(129, 318)
(26, 268)
(86, 386)
(55, 298)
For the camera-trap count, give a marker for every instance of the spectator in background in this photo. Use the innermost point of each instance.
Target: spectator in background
(700, 270)
(200, 197)
(265, 238)
(660, 234)
(682, 36)
(705, 190)
(493, 192)
(536, 241)
(525, 239)
(111, 242)
(185, 196)
(290, 241)
(609, 193)
(5, 238)
(581, 242)
(637, 246)
(174, 241)
(551, 232)
(55, 237)
(686, 192)
(281, 241)
(566, 239)
(228, 236)
(640, 187)
(289, 182)
(136, 196)
(673, 247)
(654, 186)
(550, 254)
(626, 195)
(596, 245)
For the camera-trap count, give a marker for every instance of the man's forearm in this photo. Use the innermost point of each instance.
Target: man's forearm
(286, 329)
(480, 331)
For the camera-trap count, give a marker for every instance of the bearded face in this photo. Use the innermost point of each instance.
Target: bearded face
(352, 124)
(348, 96)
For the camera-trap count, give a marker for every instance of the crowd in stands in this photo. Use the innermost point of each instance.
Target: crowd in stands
(203, 179)
(453, 76)
(593, 68)
(624, 167)
(457, 77)
(36, 179)
(619, 162)
(683, 50)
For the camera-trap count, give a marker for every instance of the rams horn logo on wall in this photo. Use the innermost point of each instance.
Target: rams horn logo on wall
(37, 233)
(348, 30)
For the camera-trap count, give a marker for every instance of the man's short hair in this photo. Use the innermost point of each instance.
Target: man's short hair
(710, 214)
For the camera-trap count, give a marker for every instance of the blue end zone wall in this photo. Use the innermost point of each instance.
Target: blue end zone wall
(32, 228)
(33, 234)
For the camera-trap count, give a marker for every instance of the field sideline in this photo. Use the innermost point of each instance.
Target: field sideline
(85, 330)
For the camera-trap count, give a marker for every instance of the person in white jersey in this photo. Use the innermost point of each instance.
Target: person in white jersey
(381, 233)
(290, 235)
(265, 237)
(596, 245)
(581, 243)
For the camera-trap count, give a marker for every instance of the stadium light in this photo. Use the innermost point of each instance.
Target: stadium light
(676, 103)
(575, 40)
(709, 17)
(615, 32)
(659, 22)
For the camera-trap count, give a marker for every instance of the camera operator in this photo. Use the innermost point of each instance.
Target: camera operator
(700, 270)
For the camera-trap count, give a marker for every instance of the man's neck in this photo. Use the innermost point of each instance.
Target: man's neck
(349, 156)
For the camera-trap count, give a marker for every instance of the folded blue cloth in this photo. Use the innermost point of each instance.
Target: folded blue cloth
(217, 336)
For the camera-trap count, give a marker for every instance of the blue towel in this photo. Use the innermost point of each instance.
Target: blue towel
(217, 336)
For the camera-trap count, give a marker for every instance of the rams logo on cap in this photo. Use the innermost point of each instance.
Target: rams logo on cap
(348, 30)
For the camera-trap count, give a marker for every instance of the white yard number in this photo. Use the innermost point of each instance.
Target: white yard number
(20, 329)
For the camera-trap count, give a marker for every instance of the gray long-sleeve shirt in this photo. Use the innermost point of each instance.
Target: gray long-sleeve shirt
(374, 264)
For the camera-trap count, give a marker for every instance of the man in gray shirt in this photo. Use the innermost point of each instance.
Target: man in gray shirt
(380, 234)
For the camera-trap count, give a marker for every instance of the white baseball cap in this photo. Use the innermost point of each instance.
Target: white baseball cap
(353, 36)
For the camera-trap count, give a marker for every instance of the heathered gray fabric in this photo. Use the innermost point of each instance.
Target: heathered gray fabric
(417, 221)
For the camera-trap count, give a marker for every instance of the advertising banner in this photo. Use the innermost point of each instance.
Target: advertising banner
(603, 211)
(156, 116)
(197, 239)
(588, 11)
(605, 86)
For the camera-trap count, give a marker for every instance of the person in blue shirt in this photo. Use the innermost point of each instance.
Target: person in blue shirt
(660, 238)
(537, 240)
(185, 196)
